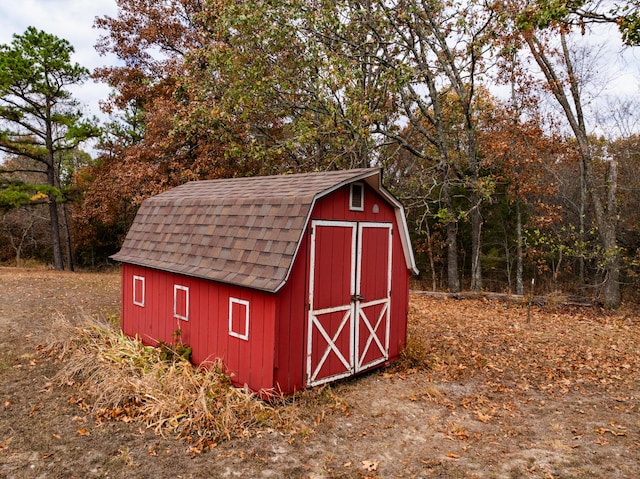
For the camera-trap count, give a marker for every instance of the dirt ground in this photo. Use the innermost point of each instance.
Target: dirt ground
(488, 395)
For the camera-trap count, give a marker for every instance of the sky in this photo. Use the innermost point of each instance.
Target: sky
(71, 20)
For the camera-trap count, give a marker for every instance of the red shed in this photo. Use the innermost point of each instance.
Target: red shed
(291, 280)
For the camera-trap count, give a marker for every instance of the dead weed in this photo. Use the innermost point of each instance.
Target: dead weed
(123, 379)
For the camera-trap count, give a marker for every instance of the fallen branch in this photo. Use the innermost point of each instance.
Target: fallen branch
(557, 300)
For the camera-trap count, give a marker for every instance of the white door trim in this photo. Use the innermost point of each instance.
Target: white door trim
(347, 320)
(361, 305)
(354, 312)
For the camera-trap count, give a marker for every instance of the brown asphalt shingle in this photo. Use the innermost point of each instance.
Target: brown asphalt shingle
(242, 231)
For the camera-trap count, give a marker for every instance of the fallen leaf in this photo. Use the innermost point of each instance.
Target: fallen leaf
(47, 388)
(484, 418)
(370, 466)
(83, 432)
(193, 451)
(603, 430)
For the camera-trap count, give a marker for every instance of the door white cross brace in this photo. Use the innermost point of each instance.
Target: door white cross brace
(373, 334)
(331, 342)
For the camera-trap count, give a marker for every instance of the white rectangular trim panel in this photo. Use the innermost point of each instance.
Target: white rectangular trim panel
(138, 290)
(239, 323)
(181, 293)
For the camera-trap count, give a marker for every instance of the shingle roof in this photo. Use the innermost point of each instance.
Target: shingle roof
(242, 231)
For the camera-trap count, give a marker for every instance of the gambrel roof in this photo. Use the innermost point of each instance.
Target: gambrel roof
(241, 231)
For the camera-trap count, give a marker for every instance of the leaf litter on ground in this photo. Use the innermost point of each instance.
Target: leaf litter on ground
(556, 351)
(560, 349)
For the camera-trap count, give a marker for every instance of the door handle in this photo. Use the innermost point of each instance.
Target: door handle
(357, 297)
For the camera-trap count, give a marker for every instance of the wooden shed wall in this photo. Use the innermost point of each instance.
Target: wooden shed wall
(207, 329)
(291, 325)
(336, 207)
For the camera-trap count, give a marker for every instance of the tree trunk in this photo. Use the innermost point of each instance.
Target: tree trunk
(611, 286)
(453, 278)
(476, 246)
(518, 203)
(58, 262)
(519, 252)
(605, 214)
(67, 238)
(53, 180)
(607, 221)
(476, 194)
(581, 226)
(430, 254)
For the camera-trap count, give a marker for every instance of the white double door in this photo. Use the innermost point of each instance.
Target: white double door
(349, 298)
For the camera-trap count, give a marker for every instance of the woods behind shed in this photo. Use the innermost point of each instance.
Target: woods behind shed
(291, 280)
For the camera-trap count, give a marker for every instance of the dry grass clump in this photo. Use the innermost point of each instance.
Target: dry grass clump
(417, 352)
(125, 380)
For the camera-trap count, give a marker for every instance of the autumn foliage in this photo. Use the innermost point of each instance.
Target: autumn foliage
(451, 99)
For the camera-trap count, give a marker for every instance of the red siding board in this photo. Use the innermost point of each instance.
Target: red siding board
(336, 207)
(291, 313)
(207, 330)
(399, 300)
